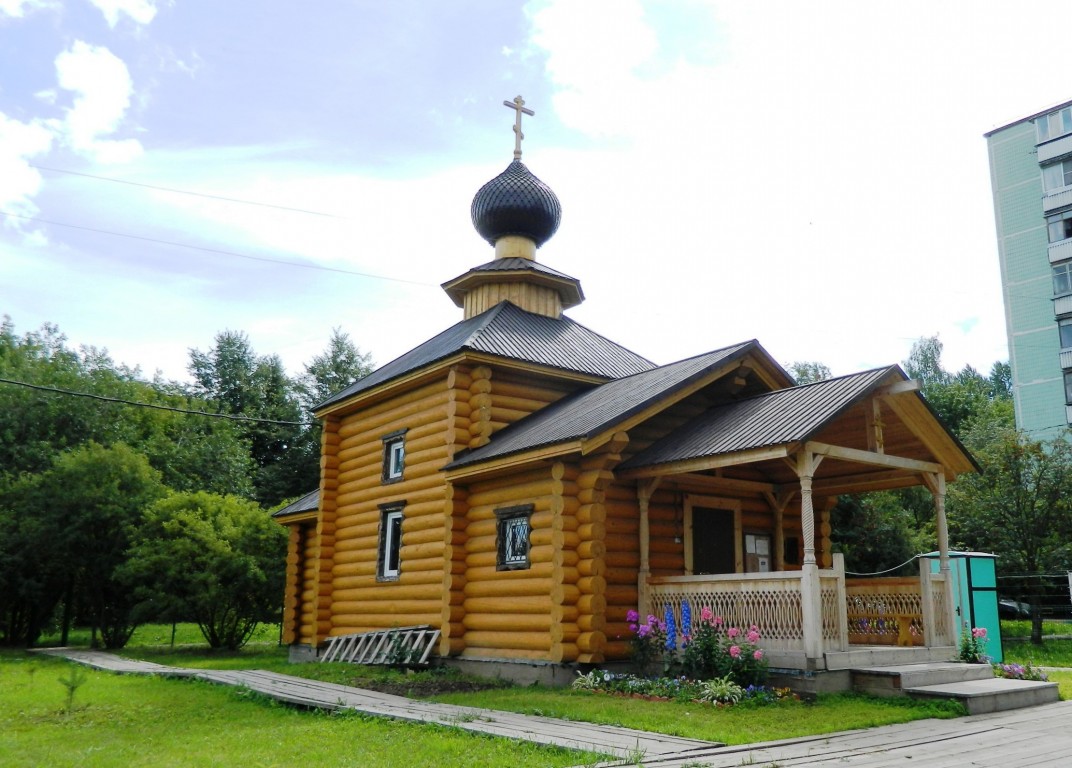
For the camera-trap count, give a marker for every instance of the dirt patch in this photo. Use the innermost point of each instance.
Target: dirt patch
(422, 688)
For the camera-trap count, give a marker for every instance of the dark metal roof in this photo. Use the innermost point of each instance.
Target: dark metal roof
(310, 502)
(512, 333)
(774, 418)
(594, 411)
(569, 288)
(515, 263)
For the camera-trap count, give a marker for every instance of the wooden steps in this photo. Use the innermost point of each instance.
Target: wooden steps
(973, 685)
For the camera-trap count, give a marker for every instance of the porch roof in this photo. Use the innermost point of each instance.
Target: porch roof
(754, 429)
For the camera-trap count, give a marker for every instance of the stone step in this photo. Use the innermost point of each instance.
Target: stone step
(893, 679)
(886, 655)
(994, 695)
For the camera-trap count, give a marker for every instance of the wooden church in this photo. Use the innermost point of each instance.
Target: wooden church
(520, 482)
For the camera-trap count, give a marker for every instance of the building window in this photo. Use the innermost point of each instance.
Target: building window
(394, 455)
(1064, 327)
(1059, 226)
(1057, 176)
(512, 528)
(1054, 124)
(1062, 279)
(1068, 387)
(390, 560)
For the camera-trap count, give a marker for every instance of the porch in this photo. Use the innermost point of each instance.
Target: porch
(816, 619)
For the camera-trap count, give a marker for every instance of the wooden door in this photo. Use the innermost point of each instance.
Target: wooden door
(714, 548)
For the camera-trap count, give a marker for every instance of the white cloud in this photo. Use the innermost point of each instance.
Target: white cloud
(139, 11)
(18, 8)
(103, 87)
(18, 181)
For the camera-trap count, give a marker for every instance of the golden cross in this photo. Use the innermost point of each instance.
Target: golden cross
(518, 104)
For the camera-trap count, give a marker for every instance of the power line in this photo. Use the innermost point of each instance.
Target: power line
(232, 417)
(219, 251)
(186, 192)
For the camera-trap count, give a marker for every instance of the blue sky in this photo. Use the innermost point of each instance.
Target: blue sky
(809, 174)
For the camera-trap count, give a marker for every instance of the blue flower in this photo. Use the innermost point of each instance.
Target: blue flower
(686, 619)
(671, 631)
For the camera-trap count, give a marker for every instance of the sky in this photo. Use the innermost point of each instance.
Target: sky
(811, 175)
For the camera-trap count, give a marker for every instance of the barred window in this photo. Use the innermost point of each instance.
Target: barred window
(512, 537)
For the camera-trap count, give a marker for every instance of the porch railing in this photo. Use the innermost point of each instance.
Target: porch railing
(771, 601)
(893, 611)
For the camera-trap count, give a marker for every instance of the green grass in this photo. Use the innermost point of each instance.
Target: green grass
(126, 720)
(732, 725)
(159, 635)
(1022, 628)
(1052, 653)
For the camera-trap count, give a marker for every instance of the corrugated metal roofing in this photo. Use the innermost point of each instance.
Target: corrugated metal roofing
(310, 502)
(588, 413)
(774, 418)
(509, 332)
(514, 264)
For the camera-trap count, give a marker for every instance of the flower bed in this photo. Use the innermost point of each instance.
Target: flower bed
(719, 691)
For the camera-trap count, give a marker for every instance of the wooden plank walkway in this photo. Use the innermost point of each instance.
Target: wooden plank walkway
(605, 739)
(1035, 736)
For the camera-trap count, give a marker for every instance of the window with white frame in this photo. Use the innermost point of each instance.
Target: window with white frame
(390, 554)
(1059, 226)
(512, 529)
(1054, 124)
(1068, 387)
(1062, 279)
(1057, 176)
(394, 455)
(1064, 328)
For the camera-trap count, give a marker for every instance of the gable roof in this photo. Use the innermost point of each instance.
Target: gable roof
(773, 418)
(592, 412)
(509, 332)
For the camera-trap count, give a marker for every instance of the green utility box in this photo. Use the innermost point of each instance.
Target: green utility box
(975, 595)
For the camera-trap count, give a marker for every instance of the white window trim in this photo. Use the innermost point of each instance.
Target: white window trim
(394, 456)
(388, 543)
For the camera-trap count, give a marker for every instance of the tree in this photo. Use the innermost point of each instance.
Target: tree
(239, 382)
(217, 560)
(1019, 506)
(806, 372)
(67, 531)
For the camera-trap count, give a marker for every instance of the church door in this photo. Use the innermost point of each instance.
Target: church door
(713, 542)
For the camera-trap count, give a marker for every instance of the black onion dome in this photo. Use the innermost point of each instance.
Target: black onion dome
(516, 203)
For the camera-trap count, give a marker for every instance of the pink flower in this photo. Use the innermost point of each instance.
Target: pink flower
(643, 630)
(758, 655)
(717, 620)
(979, 633)
(735, 651)
(706, 614)
(632, 616)
(732, 632)
(753, 636)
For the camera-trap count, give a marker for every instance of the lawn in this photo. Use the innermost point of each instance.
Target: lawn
(125, 720)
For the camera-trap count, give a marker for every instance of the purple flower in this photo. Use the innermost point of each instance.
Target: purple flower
(632, 616)
(643, 630)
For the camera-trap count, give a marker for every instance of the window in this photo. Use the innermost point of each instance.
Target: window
(1068, 387)
(1065, 329)
(1054, 124)
(1057, 176)
(394, 455)
(389, 561)
(512, 537)
(1059, 226)
(1062, 279)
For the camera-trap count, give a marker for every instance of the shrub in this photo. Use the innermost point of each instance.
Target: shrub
(973, 646)
(717, 651)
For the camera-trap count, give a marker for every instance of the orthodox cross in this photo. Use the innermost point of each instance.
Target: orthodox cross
(518, 104)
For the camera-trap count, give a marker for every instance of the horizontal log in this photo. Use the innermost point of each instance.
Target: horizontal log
(510, 605)
(520, 622)
(589, 623)
(621, 594)
(614, 650)
(592, 585)
(620, 559)
(509, 588)
(565, 594)
(591, 567)
(591, 642)
(507, 640)
(592, 531)
(490, 572)
(371, 591)
(428, 550)
(591, 550)
(347, 622)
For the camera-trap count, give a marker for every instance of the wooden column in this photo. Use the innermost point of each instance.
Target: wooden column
(645, 488)
(936, 483)
(810, 598)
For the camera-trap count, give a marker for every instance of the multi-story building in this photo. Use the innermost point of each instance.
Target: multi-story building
(1031, 177)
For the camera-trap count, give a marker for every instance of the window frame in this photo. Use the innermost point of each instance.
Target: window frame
(1064, 221)
(394, 456)
(507, 519)
(1068, 387)
(1064, 333)
(1061, 274)
(1049, 173)
(1053, 125)
(389, 553)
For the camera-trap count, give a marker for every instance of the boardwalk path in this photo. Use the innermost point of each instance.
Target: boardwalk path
(1036, 736)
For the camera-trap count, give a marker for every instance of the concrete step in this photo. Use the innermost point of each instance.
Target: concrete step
(893, 679)
(886, 655)
(995, 695)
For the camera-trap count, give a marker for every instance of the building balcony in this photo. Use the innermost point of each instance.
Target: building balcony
(1057, 199)
(1060, 251)
(1052, 150)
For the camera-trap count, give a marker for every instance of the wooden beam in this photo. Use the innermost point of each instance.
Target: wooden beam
(876, 441)
(899, 388)
(709, 483)
(859, 483)
(874, 459)
(711, 462)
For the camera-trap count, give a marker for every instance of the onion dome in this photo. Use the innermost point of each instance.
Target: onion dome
(516, 203)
